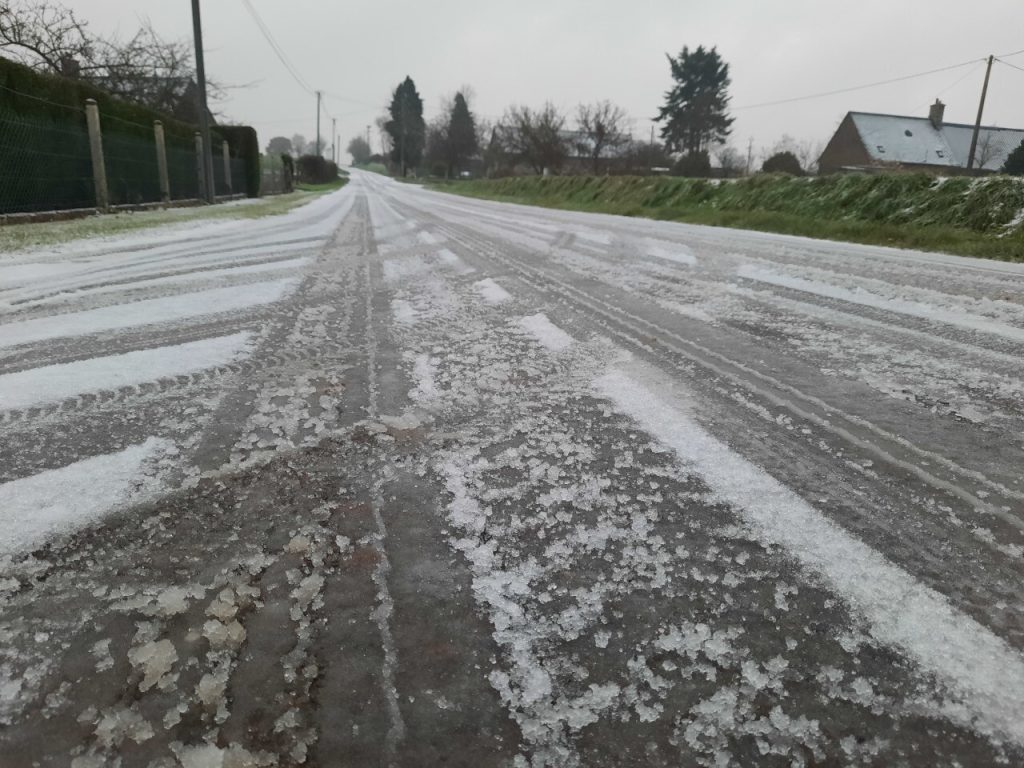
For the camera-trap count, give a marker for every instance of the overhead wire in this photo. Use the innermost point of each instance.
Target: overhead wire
(857, 87)
(292, 70)
(278, 50)
(954, 84)
(1013, 66)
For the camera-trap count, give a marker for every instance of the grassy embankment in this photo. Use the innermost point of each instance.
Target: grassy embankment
(16, 237)
(972, 217)
(374, 168)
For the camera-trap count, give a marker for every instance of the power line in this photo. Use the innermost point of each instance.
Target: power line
(281, 55)
(1010, 65)
(858, 87)
(283, 58)
(1008, 55)
(950, 87)
(339, 97)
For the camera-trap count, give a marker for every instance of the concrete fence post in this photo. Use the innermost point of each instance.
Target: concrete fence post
(227, 168)
(200, 166)
(99, 169)
(161, 161)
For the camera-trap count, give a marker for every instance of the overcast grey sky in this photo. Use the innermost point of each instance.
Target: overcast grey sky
(570, 51)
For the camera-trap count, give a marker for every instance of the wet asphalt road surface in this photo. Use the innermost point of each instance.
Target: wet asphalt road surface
(407, 479)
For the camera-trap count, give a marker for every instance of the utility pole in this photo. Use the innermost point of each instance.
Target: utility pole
(401, 149)
(334, 140)
(981, 108)
(204, 113)
(750, 154)
(318, 123)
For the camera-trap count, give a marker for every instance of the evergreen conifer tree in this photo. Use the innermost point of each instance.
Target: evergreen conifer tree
(695, 114)
(406, 127)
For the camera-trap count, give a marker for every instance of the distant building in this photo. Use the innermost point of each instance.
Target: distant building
(870, 142)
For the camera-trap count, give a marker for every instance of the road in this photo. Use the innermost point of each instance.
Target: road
(403, 478)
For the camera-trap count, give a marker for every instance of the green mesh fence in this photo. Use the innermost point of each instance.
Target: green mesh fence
(182, 168)
(44, 163)
(133, 176)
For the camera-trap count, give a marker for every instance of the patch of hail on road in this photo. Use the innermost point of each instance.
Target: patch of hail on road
(984, 674)
(401, 267)
(663, 249)
(403, 311)
(491, 292)
(453, 262)
(545, 332)
(147, 312)
(53, 383)
(138, 276)
(59, 501)
(948, 315)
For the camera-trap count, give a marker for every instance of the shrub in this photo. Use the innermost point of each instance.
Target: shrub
(1014, 164)
(315, 169)
(696, 165)
(783, 162)
(243, 144)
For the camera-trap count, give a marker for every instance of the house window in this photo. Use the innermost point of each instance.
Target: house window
(908, 132)
(940, 153)
(880, 148)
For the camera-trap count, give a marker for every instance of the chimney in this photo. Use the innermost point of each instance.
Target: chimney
(936, 112)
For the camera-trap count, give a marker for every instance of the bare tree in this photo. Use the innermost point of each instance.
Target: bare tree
(145, 69)
(602, 125)
(280, 145)
(386, 144)
(806, 152)
(644, 158)
(45, 36)
(536, 136)
(730, 161)
(300, 146)
(990, 147)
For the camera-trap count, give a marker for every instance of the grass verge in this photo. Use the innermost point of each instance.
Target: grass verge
(374, 168)
(966, 216)
(328, 186)
(16, 237)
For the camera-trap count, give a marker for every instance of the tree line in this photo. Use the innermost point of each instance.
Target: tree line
(694, 126)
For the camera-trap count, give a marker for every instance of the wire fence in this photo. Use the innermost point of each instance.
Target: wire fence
(46, 162)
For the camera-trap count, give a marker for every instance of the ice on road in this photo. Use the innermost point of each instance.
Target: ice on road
(402, 478)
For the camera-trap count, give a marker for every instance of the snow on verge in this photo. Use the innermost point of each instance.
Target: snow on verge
(985, 673)
(52, 383)
(547, 333)
(492, 292)
(61, 500)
